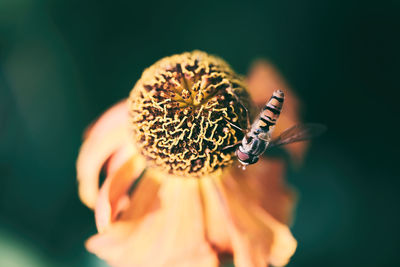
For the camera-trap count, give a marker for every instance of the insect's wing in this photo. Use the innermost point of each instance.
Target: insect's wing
(297, 133)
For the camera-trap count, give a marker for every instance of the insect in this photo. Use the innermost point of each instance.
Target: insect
(258, 135)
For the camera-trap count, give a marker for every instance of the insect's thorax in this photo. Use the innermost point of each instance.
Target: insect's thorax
(252, 144)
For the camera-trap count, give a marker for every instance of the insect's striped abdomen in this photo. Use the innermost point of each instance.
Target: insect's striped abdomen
(257, 139)
(271, 111)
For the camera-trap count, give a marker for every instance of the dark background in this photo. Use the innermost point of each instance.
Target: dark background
(62, 63)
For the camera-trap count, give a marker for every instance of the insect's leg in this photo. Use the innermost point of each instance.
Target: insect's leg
(243, 106)
(237, 127)
(230, 146)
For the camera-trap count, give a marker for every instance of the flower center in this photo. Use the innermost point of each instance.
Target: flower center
(182, 110)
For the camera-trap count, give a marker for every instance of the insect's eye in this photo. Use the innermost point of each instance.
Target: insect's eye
(242, 156)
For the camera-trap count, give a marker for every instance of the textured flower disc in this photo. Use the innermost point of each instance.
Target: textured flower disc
(181, 108)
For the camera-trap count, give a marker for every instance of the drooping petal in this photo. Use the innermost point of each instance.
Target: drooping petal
(257, 238)
(107, 134)
(113, 196)
(214, 216)
(111, 244)
(263, 80)
(264, 183)
(163, 227)
(119, 158)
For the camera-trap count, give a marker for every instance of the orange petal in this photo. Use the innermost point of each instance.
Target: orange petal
(113, 196)
(119, 158)
(264, 183)
(215, 219)
(263, 80)
(107, 134)
(168, 232)
(257, 238)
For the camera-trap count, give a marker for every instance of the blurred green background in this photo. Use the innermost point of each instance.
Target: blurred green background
(62, 63)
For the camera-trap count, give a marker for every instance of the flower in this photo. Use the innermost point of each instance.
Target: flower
(172, 196)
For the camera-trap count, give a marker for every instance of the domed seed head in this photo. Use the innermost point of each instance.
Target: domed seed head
(180, 110)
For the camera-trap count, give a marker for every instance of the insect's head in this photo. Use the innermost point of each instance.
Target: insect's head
(245, 158)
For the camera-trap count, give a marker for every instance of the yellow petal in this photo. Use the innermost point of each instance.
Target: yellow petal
(113, 197)
(167, 231)
(257, 238)
(107, 134)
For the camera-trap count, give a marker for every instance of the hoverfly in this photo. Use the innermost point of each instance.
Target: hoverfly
(258, 135)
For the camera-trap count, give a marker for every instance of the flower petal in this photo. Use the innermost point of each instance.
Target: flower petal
(113, 197)
(107, 134)
(167, 231)
(122, 155)
(215, 219)
(263, 80)
(257, 238)
(263, 182)
(111, 243)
